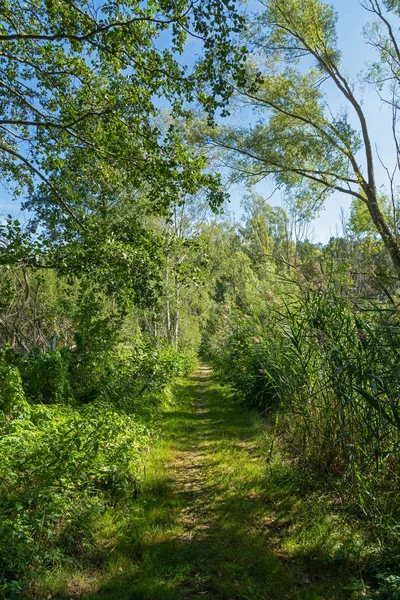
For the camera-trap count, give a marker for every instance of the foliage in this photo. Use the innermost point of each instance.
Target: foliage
(12, 398)
(77, 73)
(46, 377)
(59, 468)
(140, 372)
(299, 139)
(328, 366)
(84, 141)
(62, 465)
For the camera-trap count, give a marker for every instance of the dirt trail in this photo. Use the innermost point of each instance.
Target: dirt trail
(207, 523)
(188, 472)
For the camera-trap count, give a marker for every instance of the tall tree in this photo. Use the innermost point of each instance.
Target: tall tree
(299, 139)
(82, 131)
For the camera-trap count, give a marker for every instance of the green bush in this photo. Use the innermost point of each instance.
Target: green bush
(61, 464)
(59, 468)
(143, 371)
(327, 367)
(46, 377)
(12, 398)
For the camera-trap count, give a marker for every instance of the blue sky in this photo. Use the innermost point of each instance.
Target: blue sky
(352, 18)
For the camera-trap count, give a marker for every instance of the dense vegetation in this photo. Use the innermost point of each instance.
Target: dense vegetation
(76, 422)
(126, 270)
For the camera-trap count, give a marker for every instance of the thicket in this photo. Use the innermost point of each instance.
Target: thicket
(69, 451)
(322, 365)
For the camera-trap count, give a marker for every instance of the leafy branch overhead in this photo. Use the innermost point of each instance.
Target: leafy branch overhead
(83, 135)
(77, 77)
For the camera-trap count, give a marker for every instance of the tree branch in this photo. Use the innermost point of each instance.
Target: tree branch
(34, 170)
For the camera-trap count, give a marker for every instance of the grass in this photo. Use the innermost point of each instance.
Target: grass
(214, 520)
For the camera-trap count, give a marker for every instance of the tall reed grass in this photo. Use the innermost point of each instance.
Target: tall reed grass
(325, 368)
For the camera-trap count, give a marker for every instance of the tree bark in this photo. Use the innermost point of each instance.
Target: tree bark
(387, 236)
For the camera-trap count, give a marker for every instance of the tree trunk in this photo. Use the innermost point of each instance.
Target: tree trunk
(35, 325)
(167, 302)
(387, 236)
(176, 313)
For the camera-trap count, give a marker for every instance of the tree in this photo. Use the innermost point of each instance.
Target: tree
(266, 232)
(81, 79)
(185, 257)
(299, 139)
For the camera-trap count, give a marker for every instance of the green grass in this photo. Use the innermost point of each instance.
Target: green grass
(213, 520)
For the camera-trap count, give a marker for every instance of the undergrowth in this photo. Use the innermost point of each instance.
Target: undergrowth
(322, 368)
(64, 463)
(213, 519)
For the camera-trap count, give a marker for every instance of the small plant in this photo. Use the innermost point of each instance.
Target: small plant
(12, 398)
(46, 377)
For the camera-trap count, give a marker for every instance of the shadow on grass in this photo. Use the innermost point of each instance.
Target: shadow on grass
(208, 524)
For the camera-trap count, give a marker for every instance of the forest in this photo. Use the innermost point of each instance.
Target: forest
(197, 402)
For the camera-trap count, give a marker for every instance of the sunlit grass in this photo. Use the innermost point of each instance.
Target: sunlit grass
(214, 520)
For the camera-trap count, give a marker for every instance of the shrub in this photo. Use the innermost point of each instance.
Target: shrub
(60, 465)
(328, 366)
(46, 377)
(12, 398)
(143, 371)
(59, 468)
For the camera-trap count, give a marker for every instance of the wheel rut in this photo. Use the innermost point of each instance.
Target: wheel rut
(189, 472)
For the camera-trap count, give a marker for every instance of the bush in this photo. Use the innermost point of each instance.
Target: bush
(59, 468)
(46, 377)
(12, 398)
(143, 371)
(328, 366)
(60, 465)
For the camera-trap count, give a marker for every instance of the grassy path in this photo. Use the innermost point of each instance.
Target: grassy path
(208, 524)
